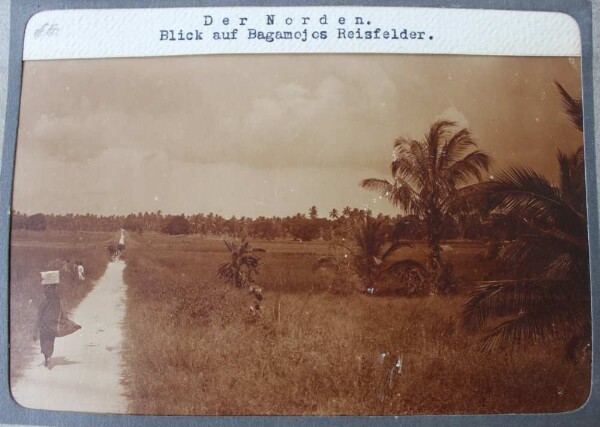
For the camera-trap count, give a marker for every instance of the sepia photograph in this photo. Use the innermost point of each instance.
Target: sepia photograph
(300, 234)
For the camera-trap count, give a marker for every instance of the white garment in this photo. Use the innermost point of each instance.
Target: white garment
(81, 272)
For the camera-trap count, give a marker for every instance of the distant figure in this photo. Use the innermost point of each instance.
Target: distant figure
(121, 245)
(51, 322)
(65, 267)
(80, 271)
(112, 251)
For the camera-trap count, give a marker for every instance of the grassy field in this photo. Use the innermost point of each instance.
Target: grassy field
(32, 252)
(193, 346)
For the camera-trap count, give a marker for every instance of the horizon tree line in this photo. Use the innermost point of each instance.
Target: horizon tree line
(301, 227)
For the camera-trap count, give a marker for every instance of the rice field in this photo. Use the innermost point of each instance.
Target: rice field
(193, 346)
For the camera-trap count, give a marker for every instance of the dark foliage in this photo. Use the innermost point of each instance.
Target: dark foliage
(36, 222)
(542, 288)
(426, 174)
(176, 225)
(242, 266)
(371, 258)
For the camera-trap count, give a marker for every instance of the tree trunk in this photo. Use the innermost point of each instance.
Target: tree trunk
(434, 262)
(369, 280)
(435, 265)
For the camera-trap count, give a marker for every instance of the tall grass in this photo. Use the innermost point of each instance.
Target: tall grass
(32, 252)
(193, 347)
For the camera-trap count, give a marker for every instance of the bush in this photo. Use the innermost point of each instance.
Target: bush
(176, 225)
(36, 222)
(132, 223)
(304, 229)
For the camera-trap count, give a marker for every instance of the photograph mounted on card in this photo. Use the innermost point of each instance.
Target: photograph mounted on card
(301, 211)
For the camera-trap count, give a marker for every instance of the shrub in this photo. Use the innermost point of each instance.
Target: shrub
(36, 222)
(176, 225)
(243, 264)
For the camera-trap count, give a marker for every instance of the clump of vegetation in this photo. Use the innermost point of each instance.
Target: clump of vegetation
(370, 257)
(135, 224)
(241, 269)
(176, 225)
(112, 250)
(542, 288)
(337, 272)
(426, 175)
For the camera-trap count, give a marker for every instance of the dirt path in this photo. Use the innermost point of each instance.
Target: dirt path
(85, 371)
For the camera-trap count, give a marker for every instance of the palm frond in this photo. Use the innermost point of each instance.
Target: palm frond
(455, 147)
(400, 194)
(468, 168)
(523, 192)
(465, 199)
(230, 245)
(406, 169)
(394, 247)
(573, 107)
(226, 271)
(538, 254)
(572, 178)
(382, 186)
(509, 297)
(563, 265)
(434, 142)
(414, 154)
(535, 326)
(437, 132)
(402, 145)
(401, 267)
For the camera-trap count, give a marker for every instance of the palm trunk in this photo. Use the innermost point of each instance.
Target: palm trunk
(369, 279)
(435, 257)
(435, 263)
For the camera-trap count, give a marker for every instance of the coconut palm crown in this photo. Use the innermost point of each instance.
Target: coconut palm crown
(426, 174)
(543, 290)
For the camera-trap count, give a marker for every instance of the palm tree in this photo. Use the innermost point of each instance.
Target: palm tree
(334, 214)
(426, 174)
(370, 254)
(243, 265)
(544, 290)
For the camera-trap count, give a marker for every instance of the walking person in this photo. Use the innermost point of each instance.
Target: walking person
(80, 271)
(51, 323)
(121, 245)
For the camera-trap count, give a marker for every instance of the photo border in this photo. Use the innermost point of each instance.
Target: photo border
(10, 412)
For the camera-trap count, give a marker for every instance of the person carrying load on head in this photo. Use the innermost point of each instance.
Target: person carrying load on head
(121, 244)
(51, 322)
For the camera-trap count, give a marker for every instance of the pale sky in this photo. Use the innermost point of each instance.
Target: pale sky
(267, 134)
